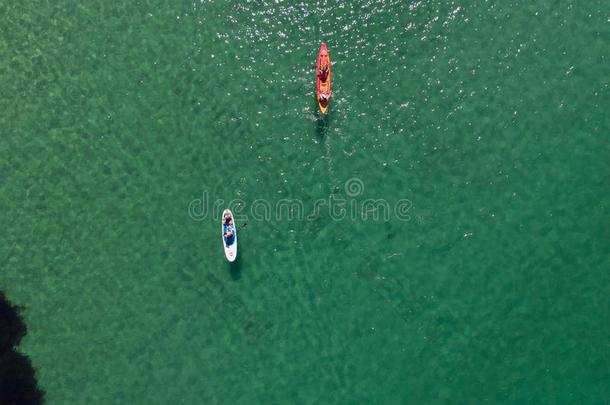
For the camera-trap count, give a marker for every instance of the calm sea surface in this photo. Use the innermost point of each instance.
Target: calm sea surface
(480, 128)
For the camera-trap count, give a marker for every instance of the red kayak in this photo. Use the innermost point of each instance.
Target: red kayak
(323, 79)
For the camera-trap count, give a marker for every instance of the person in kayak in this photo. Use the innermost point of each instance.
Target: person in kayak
(323, 73)
(323, 97)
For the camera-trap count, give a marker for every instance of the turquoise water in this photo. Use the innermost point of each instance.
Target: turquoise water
(489, 118)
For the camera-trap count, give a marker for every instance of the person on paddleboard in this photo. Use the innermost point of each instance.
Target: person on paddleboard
(228, 219)
(229, 232)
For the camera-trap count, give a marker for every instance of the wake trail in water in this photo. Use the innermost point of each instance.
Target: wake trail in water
(329, 161)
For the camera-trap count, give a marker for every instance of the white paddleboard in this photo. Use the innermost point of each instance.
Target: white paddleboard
(229, 244)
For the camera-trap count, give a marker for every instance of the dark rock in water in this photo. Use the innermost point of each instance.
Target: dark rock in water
(18, 385)
(12, 327)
